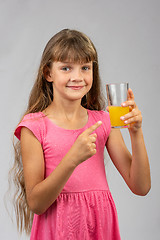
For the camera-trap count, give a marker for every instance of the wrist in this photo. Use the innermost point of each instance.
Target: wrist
(135, 132)
(70, 160)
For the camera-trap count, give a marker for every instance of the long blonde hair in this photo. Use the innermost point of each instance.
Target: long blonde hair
(66, 44)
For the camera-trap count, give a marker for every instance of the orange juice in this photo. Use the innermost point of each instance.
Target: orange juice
(115, 113)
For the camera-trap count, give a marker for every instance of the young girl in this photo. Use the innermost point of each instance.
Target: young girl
(59, 160)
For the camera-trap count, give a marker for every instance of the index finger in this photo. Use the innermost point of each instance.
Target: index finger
(93, 127)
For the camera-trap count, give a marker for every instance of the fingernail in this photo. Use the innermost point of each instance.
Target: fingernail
(122, 118)
(99, 122)
(123, 104)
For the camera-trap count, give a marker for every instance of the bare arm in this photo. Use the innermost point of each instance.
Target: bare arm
(134, 168)
(40, 192)
(140, 169)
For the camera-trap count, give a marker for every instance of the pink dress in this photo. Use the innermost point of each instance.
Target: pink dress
(85, 209)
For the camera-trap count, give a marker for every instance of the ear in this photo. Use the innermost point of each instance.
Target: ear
(47, 75)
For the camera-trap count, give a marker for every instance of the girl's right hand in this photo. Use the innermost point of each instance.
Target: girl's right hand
(84, 146)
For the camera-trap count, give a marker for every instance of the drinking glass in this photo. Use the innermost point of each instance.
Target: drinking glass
(116, 94)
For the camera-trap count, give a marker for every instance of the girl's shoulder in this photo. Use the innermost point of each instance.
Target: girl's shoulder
(33, 116)
(34, 122)
(100, 114)
(103, 116)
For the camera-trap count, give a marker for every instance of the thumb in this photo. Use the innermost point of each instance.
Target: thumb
(107, 108)
(89, 130)
(130, 95)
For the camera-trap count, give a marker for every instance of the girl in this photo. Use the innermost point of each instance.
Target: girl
(59, 160)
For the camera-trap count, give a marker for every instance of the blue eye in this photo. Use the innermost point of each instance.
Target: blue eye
(66, 68)
(86, 68)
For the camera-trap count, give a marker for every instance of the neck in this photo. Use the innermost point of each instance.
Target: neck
(69, 110)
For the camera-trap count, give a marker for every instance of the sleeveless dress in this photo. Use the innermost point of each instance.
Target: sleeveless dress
(85, 209)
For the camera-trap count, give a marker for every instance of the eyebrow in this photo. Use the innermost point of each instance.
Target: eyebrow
(89, 63)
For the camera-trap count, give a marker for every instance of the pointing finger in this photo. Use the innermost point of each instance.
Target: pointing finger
(93, 128)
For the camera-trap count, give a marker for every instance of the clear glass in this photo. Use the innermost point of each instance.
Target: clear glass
(116, 94)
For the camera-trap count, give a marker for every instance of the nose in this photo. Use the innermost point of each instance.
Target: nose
(77, 75)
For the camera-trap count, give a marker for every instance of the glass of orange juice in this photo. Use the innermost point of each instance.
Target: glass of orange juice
(116, 94)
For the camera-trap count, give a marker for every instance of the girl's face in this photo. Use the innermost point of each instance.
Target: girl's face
(71, 80)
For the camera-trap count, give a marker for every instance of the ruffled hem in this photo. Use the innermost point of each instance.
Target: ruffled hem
(78, 215)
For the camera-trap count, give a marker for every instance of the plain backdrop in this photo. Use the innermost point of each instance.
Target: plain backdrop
(126, 34)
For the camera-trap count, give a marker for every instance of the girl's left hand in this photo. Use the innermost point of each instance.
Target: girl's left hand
(134, 118)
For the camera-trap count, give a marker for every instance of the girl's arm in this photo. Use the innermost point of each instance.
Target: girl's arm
(134, 168)
(42, 192)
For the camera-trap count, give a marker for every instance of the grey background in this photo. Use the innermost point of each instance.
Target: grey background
(127, 36)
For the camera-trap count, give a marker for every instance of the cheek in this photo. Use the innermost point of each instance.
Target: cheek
(60, 80)
(90, 79)
(89, 82)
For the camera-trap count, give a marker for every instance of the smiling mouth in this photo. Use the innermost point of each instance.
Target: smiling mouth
(75, 87)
